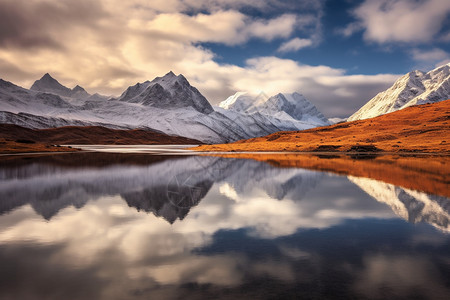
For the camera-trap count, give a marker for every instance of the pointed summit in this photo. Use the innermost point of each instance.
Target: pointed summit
(413, 88)
(47, 76)
(79, 93)
(48, 84)
(167, 92)
(281, 105)
(78, 88)
(170, 74)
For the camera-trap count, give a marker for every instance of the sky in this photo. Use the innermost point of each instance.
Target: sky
(339, 54)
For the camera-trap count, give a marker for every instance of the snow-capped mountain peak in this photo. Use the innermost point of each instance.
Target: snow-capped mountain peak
(281, 105)
(78, 88)
(168, 92)
(242, 101)
(295, 105)
(168, 104)
(79, 92)
(416, 87)
(48, 84)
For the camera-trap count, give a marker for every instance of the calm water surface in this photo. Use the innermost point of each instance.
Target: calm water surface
(114, 226)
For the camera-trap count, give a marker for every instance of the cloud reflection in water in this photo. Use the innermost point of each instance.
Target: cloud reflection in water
(247, 229)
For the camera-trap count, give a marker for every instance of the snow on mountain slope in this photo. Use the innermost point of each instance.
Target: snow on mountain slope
(413, 88)
(410, 205)
(168, 104)
(16, 99)
(79, 92)
(242, 101)
(290, 108)
(169, 91)
(40, 122)
(50, 85)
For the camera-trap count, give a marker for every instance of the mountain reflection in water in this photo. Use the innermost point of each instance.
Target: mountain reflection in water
(110, 226)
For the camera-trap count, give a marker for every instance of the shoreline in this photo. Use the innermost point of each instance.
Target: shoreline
(17, 148)
(412, 171)
(427, 172)
(416, 129)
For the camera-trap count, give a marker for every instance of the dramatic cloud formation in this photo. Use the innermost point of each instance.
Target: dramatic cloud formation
(400, 20)
(107, 45)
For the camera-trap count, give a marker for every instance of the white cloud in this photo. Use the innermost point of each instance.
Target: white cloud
(323, 85)
(281, 26)
(121, 43)
(295, 44)
(387, 21)
(227, 27)
(429, 59)
(350, 29)
(435, 54)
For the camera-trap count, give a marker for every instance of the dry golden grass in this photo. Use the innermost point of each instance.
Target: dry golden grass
(427, 173)
(422, 128)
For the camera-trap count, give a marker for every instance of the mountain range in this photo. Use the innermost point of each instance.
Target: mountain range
(170, 105)
(153, 187)
(167, 104)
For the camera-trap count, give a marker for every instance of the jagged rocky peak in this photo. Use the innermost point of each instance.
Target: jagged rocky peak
(168, 92)
(294, 105)
(78, 88)
(50, 85)
(441, 71)
(243, 101)
(79, 92)
(416, 87)
(133, 91)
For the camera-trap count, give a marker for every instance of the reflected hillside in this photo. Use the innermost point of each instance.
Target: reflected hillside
(410, 205)
(49, 187)
(168, 188)
(427, 173)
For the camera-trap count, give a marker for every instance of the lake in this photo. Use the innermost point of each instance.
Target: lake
(141, 226)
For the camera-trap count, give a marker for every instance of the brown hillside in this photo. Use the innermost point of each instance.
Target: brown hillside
(14, 138)
(427, 172)
(91, 135)
(421, 128)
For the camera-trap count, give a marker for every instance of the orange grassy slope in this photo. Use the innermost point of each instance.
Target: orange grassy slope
(427, 172)
(421, 128)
